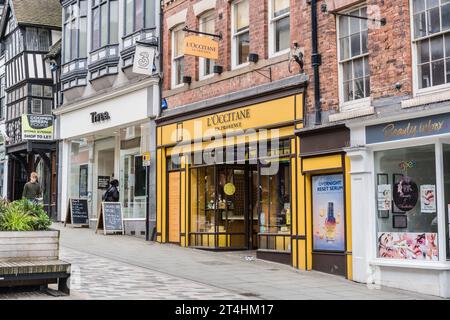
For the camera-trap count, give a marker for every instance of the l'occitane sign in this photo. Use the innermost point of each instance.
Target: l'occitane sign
(203, 47)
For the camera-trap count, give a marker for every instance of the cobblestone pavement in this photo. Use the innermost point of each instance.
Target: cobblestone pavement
(121, 267)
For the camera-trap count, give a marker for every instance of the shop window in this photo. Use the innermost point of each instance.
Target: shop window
(240, 35)
(206, 24)
(177, 56)
(279, 32)
(432, 42)
(353, 56)
(446, 152)
(407, 223)
(79, 169)
(105, 23)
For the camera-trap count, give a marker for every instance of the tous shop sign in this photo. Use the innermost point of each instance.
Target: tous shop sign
(411, 128)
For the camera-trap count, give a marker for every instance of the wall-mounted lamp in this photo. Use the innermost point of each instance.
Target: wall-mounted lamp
(187, 79)
(218, 69)
(253, 57)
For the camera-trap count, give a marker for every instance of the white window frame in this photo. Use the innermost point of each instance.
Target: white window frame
(432, 89)
(201, 61)
(234, 46)
(173, 58)
(40, 106)
(357, 104)
(272, 26)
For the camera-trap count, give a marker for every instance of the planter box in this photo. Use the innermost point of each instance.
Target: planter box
(29, 245)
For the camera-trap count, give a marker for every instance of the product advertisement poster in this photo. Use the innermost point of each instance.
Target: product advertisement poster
(328, 212)
(384, 197)
(428, 198)
(408, 246)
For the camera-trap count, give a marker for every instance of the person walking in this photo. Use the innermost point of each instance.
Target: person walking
(112, 194)
(32, 189)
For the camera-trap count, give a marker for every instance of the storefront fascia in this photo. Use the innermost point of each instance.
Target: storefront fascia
(324, 226)
(401, 239)
(98, 141)
(177, 206)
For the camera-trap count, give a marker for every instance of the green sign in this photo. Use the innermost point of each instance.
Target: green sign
(37, 127)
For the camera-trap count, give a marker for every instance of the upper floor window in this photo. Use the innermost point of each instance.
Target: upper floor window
(279, 32)
(240, 35)
(139, 14)
(105, 23)
(206, 24)
(75, 30)
(177, 56)
(37, 39)
(432, 42)
(353, 56)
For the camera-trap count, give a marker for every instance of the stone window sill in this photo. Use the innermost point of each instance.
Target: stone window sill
(350, 114)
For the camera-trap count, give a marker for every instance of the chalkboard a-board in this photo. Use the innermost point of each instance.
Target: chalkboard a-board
(77, 212)
(110, 219)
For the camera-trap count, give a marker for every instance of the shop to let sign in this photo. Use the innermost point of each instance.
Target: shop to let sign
(37, 127)
(203, 47)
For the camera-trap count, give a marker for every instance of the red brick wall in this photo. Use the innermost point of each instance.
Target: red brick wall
(389, 53)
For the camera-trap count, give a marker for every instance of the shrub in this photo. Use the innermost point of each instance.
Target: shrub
(23, 215)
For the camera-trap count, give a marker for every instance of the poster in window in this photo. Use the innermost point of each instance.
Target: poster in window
(328, 212)
(428, 198)
(408, 246)
(406, 194)
(384, 197)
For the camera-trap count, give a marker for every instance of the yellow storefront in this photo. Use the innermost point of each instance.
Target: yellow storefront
(233, 179)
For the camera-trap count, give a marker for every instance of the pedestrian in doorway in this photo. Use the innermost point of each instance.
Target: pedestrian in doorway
(32, 189)
(112, 194)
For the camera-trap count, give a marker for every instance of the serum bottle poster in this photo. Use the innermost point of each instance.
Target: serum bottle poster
(328, 212)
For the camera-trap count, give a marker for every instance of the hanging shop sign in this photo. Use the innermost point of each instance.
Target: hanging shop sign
(328, 212)
(406, 194)
(37, 127)
(203, 47)
(144, 59)
(412, 128)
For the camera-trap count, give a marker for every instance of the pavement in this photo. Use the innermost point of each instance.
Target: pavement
(123, 267)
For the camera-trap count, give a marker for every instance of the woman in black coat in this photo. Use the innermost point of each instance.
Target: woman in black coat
(112, 194)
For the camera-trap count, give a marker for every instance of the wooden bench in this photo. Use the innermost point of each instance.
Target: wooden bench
(32, 258)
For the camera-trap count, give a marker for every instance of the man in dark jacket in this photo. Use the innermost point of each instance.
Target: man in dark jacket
(112, 194)
(32, 189)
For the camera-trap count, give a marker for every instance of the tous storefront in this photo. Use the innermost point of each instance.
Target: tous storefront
(226, 180)
(107, 141)
(401, 204)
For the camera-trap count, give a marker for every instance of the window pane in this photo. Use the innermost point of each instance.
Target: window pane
(434, 23)
(438, 72)
(448, 71)
(282, 34)
(345, 48)
(104, 24)
(354, 22)
(348, 91)
(359, 89)
(178, 43)
(358, 68)
(364, 42)
(437, 48)
(129, 16)
(432, 3)
(96, 28)
(243, 47)
(447, 45)
(445, 13)
(67, 13)
(420, 27)
(356, 44)
(150, 13)
(114, 22)
(83, 38)
(418, 5)
(139, 14)
(280, 7)
(366, 67)
(83, 8)
(67, 43)
(179, 70)
(423, 51)
(367, 86)
(241, 15)
(424, 76)
(343, 27)
(73, 42)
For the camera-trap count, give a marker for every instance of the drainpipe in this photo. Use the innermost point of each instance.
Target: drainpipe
(316, 59)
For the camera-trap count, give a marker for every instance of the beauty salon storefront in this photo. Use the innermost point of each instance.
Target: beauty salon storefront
(401, 203)
(226, 179)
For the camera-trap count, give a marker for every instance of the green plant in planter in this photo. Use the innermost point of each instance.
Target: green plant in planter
(23, 215)
(13, 219)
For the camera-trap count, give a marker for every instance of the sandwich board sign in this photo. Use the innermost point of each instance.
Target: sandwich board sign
(110, 219)
(77, 212)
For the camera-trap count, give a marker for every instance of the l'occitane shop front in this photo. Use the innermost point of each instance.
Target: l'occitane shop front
(227, 180)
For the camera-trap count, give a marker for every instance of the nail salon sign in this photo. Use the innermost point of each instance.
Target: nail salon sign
(411, 128)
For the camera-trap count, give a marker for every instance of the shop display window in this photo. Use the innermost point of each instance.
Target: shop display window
(407, 223)
(446, 153)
